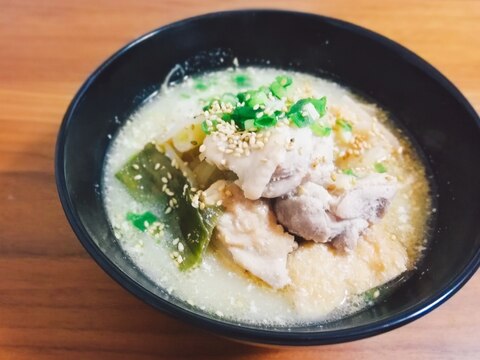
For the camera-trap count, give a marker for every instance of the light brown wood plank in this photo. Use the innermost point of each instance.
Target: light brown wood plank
(55, 302)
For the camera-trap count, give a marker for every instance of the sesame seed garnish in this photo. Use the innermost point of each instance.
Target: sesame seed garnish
(157, 166)
(137, 177)
(168, 210)
(135, 166)
(164, 180)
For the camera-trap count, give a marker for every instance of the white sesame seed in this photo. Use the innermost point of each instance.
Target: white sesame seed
(137, 177)
(157, 166)
(135, 166)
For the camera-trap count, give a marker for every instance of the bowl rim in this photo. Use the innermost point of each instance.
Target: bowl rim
(228, 329)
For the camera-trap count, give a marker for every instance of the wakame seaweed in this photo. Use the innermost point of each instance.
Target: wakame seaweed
(150, 178)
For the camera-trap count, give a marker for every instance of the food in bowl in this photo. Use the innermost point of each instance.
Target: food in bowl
(267, 196)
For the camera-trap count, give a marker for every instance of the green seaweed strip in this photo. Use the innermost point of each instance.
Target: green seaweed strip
(151, 178)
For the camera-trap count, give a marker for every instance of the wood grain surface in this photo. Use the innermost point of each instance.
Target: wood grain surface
(55, 302)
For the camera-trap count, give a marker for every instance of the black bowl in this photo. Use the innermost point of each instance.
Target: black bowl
(439, 119)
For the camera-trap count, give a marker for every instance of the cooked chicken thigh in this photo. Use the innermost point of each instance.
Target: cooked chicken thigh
(249, 234)
(368, 199)
(314, 214)
(278, 166)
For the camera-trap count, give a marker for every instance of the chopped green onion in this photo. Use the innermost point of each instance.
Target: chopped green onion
(208, 129)
(349, 172)
(284, 80)
(320, 130)
(372, 295)
(204, 127)
(226, 117)
(249, 124)
(142, 221)
(299, 120)
(380, 168)
(319, 104)
(257, 98)
(200, 85)
(242, 80)
(265, 121)
(279, 86)
(241, 114)
(344, 124)
(209, 104)
(296, 111)
(278, 90)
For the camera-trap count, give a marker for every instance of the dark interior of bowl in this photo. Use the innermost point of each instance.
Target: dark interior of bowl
(437, 116)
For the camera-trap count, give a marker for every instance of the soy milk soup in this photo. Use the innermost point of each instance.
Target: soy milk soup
(267, 196)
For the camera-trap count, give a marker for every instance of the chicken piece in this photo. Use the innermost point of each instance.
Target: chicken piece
(314, 214)
(321, 161)
(284, 180)
(249, 234)
(307, 214)
(349, 232)
(276, 168)
(290, 172)
(256, 169)
(368, 200)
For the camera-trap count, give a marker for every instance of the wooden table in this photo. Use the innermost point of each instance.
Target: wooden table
(55, 302)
